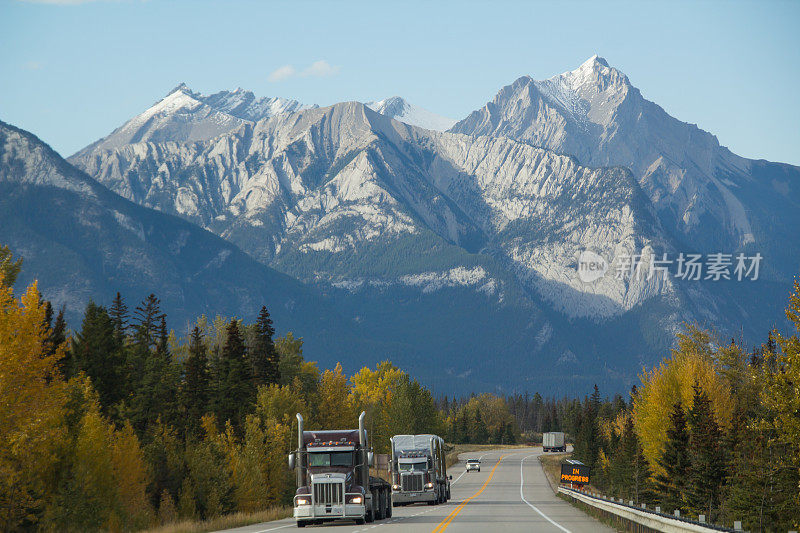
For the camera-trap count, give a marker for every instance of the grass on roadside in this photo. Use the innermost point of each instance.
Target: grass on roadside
(551, 464)
(224, 522)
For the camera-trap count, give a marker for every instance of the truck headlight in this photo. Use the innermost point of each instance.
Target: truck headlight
(306, 500)
(355, 499)
(428, 485)
(395, 487)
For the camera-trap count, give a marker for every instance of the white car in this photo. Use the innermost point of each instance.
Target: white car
(473, 464)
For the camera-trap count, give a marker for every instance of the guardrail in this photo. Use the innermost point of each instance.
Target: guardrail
(641, 516)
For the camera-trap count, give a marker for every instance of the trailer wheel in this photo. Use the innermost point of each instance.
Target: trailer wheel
(360, 521)
(389, 507)
(301, 524)
(370, 514)
(380, 510)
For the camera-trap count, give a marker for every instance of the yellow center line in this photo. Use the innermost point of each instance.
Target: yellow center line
(446, 522)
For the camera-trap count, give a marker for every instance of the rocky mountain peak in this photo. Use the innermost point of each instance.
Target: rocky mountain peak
(400, 109)
(181, 87)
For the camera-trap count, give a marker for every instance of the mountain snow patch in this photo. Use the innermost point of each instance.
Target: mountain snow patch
(455, 277)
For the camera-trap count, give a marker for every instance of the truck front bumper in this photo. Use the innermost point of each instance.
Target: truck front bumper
(349, 511)
(411, 497)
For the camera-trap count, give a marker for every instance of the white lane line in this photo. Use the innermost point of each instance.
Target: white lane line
(459, 477)
(274, 528)
(521, 495)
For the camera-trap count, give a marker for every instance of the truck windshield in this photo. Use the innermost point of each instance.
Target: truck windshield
(414, 467)
(330, 459)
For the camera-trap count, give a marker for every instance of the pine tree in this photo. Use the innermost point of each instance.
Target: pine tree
(509, 435)
(146, 322)
(264, 359)
(587, 445)
(462, 425)
(158, 385)
(630, 470)
(479, 433)
(671, 486)
(56, 335)
(195, 386)
(9, 268)
(707, 470)
(234, 394)
(147, 319)
(119, 316)
(95, 351)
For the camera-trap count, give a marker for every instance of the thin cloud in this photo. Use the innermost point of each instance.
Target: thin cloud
(317, 69)
(320, 69)
(32, 65)
(282, 73)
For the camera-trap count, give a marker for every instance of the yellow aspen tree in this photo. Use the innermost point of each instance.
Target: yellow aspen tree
(672, 381)
(373, 392)
(279, 404)
(248, 463)
(32, 397)
(280, 479)
(335, 410)
(131, 476)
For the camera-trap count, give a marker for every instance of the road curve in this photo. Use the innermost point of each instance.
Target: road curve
(509, 494)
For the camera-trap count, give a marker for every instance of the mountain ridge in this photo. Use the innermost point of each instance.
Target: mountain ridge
(498, 209)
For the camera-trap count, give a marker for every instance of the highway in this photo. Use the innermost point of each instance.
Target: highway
(509, 494)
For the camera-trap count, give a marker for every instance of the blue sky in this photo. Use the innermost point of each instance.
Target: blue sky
(72, 71)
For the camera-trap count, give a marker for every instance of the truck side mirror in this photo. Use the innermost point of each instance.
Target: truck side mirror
(370, 459)
(451, 477)
(291, 461)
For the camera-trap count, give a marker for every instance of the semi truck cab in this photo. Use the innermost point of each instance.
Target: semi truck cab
(333, 481)
(419, 472)
(417, 479)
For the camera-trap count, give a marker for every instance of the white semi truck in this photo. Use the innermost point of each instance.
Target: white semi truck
(553, 441)
(419, 470)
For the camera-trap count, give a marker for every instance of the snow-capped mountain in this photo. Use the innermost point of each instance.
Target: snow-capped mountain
(398, 109)
(82, 241)
(184, 115)
(371, 205)
(320, 193)
(693, 183)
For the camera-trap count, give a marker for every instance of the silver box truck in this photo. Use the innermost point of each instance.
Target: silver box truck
(553, 441)
(419, 470)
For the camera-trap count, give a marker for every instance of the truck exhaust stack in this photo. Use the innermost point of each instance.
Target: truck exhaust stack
(361, 431)
(301, 471)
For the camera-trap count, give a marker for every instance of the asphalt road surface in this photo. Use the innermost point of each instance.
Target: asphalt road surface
(509, 494)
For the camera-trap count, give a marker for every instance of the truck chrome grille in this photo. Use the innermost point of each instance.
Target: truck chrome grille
(411, 482)
(328, 493)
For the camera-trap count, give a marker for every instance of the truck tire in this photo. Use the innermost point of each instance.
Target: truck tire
(360, 521)
(389, 507)
(369, 516)
(300, 523)
(380, 510)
